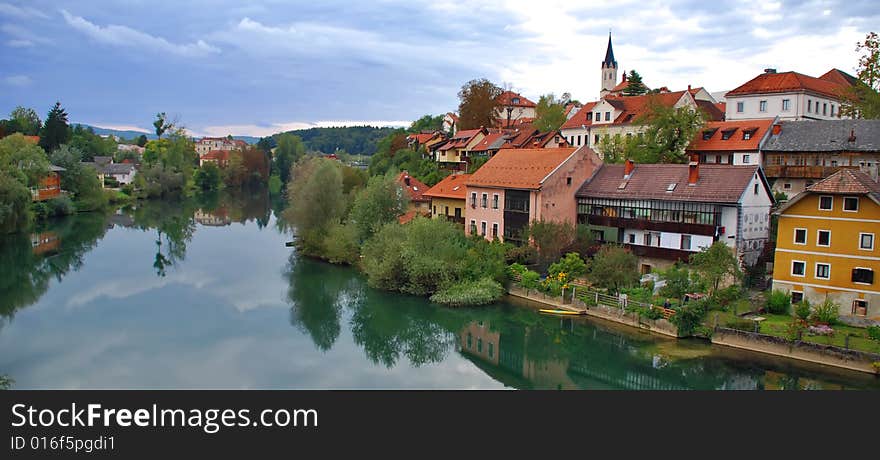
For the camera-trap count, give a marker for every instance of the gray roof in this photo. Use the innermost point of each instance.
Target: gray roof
(118, 168)
(826, 136)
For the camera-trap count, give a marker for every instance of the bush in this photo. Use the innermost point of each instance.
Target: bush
(874, 333)
(469, 293)
(530, 280)
(524, 254)
(741, 324)
(688, 317)
(571, 266)
(340, 245)
(728, 295)
(516, 270)
(275, 184)
(778, 302)
(795, 330)
(826, 313)
(803, 309)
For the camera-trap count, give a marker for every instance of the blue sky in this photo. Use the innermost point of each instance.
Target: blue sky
(262, 66)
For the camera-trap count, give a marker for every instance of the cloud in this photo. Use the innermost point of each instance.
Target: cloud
(127, 37)
(20, 43)
(18, 80)
(21, 12)
(274, 128)
(22, 37)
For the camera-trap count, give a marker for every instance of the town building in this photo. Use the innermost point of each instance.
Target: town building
(415, 191)
(514, 108)
(609, 70)
(789, 96)
(518, 186)
(49, 186)
(826, 244)
(448, 198)
(665, 212)
(207, 144)
(218, 157)
(450, 123)
(800, 153)
(736, 142)
(452, 154)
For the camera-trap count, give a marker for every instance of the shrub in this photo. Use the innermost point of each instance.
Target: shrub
(795, 330)
(469, 293)
(874, 333)
(340, 244)
(827, 312)
(728, 295)
(530, 280)
(778, 302)
(688, 317)
(803, 309)
(571, 265)
(514, 270)
(741, 324)
(524, 254)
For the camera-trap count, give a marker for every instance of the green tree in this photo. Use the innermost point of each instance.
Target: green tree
(289, 150)
(55, 131)
(162, 124)
(613, 268)
(550, 238)
(141, 140)
(668, 132)
(23, 160)
(614, 149)
(15, 203)
(635, 86)
(379, 203)
(714, 264)
(678, 282)
(79, 180)
(27, 120)
(863, 99)
(478, 104)
(316, 202)
(550, 113)
(207, 177)
(90, 144)
(426, 123)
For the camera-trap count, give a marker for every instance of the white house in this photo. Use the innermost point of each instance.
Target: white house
(789, 96)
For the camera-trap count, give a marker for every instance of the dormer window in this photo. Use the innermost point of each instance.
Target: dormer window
(590, 116)
(707, 134)
(727, 133)
(515, 100)
(747, 134)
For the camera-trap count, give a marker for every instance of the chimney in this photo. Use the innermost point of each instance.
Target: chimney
(689, 87)
(624, 76)
(628, 168)
(769, 70)
(693, 173)
(852, 135)
(562, 144)
(777, 128)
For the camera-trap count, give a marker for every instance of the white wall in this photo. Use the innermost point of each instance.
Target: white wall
(797, 110)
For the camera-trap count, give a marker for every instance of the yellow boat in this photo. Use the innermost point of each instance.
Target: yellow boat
(561, 312)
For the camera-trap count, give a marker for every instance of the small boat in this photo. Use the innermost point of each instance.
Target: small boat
(562, 312)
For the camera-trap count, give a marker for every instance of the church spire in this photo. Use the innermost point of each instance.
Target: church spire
(609, 54)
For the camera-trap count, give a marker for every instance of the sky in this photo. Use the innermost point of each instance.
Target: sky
(263, 66)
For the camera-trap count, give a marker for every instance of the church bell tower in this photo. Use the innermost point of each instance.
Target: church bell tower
(609, 70)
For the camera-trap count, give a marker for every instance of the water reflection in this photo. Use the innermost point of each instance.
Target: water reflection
(202, 293)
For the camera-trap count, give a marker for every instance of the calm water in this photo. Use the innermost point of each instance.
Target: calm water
(204, 294)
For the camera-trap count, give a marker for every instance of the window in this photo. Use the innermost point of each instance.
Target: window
(596, 139)
(800, 236)
(473, 227)
(607, 116)
(832, 110)
(851, 204)
(632, 238)
(686, 242)
(491, 349)
(470, 339)
(495, 230)
(863, 275)
(798, 268)
(860, 307)
(567, 181)
(740, 107)
(579, 140)
(483, 228)
(647, 239)
(447, 210)
(598, 116)
(786, 186)
(725, 135)
(756, 189)
(809, 105)
(825, 108)
(823, 238)
(823, 271)
(494, 201)
(786, 105)
(797, 297)
(826, 203)
(762, 106)
(479, 345)
(590, 116)
(746, 159)
(435, 210)
(747, 135)
(866, 241)
(474, 199)
(484, 200)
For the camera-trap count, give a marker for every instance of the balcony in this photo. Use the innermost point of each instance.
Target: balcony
(802, 172)
(456, 220)
(643, 224)
(659, 253)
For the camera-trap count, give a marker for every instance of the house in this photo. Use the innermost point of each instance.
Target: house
(415, 190)
(826, 244)
(736, 142)
(207, 144)
(518, 186)
(131, 148)
(424, 140)
(514, 107)
(452, 154)
(104, 167)
(49, 186)
(789, 96)
(448, 198)
(576, 129)
(450, 123)
(218, 157)
(665, 212)
(800, 153)
(489, 145)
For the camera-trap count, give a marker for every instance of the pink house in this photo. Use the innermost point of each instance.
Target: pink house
(517, 186)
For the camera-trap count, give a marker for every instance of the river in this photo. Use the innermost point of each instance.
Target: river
(203, 293)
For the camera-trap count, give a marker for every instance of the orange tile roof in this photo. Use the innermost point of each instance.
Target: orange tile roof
(785, 82)
(632, 107)
(506, 98)
(847, 181)
(216, 155)
(34, 139)
(416, 188)
(840, 77)
(452, 186)
(711, 110)
(580, 118)
(519, 168)
(421, 138)
(487, 142)
(735, 141)
(621, 86)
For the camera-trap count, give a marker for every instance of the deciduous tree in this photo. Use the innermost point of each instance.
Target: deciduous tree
(862, 100)
(613, 268)
(27, 120)
(550, 113)
(715, 263)
(669, 131)
(478, 104)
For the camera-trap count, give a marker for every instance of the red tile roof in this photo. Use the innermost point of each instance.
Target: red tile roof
(712, 111)
(580, 118)
(840, 77)
(847, 181)
(519, 168)
(506, 98)
(487, 142)
(621, 86)
(34, 139)
(715, 130)
(421, 138)
(221, 155)
(409, 216)
(452, 186)
(722, 106)
(785, 82)
(413, 186)
(717, 183)
(632, 107)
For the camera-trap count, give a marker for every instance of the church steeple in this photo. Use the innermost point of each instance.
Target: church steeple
(609, 70)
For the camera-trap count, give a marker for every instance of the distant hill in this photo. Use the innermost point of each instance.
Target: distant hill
(357, 140)
(136, 134)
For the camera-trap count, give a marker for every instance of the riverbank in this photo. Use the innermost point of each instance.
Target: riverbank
(823, 355)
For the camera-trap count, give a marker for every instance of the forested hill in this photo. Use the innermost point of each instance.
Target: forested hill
(357, 140)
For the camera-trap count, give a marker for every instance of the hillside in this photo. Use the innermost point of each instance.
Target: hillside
(135, 134)
(357, 140)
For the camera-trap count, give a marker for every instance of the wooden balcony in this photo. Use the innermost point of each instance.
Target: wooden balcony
(659, 253)
(456, 220)
(643, 224)
(802, 172)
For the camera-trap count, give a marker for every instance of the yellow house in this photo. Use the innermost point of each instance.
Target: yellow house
(448, 198)
(826, 244)
(453, 154)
